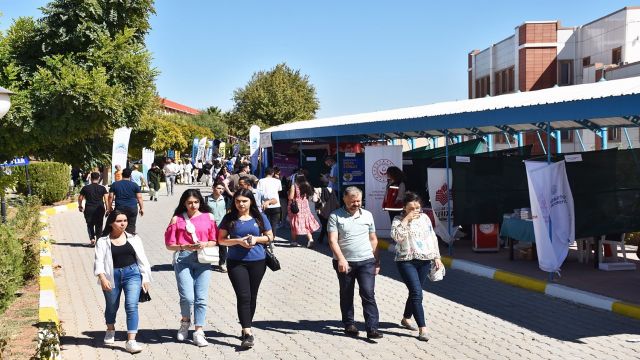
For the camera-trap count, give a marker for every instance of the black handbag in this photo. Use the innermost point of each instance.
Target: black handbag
(294, 207)
(144, 296)
(270, 259)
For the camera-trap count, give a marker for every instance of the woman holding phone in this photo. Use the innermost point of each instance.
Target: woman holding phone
(416, 249)
(245, 230)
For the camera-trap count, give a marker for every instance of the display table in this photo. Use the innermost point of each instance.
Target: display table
(517, 229)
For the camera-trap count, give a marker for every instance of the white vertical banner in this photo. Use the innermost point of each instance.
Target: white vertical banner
(551, 207)
(120, 148)
(148, 156)
(377, 159)
(442, 202)
(254, 145)
(202, 148)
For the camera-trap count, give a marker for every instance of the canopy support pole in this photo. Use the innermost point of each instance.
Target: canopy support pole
(544, 150)
(605, 138)
(580, 140)
(549, 163)
(412, 143)
(558, 142)
(490, 142)
(338, 165)
(520, 139)
(506, 137)
(446, 154)
(626, 134)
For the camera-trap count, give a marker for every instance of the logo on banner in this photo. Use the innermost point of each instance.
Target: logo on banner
(442, 195)
(121, 148)
(379, 169)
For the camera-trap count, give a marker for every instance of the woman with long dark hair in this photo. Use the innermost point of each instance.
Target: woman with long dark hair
(303, 222)
(245, 230)
(416, 249)
(394, 192)
(121, 266)
(192, 228)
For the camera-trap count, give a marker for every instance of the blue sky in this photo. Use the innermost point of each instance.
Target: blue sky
(361, 55)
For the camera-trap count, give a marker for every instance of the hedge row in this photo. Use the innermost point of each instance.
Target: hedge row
(49, 180)
(19, 258)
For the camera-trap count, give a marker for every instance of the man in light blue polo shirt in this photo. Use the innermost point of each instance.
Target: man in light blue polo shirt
(219, 209)
(353, 241)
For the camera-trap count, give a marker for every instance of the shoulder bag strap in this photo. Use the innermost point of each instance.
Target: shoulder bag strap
(194, 236)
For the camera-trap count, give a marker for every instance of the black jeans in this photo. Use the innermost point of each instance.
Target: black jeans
(365, 273)
(223, 254)
(132, 216)
(246, 277)
(94, 217)
(273, 215)
(323, 228)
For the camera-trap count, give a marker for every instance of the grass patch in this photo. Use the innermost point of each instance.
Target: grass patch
(18, 324)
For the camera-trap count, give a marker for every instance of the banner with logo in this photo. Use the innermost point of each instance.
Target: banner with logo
(442, 202)
(120, 148)
(254, 144)
(210, 149)
(377, 159)
(194, 150)
(352, 168)
(202, 148)
(222, 149)
(552, 209)
(148, 156)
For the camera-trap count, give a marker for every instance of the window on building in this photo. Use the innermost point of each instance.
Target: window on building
(566, 135)
(613, 134)
(616, 55)
(505, 83)
(565, 72)
(482, 87)
(586, 61)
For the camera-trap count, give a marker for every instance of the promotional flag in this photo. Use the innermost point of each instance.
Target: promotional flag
(147, 159)
(120, 148)
(254, 145)
(442, 202)
(552, 211)
(377, 159)
(194, 150)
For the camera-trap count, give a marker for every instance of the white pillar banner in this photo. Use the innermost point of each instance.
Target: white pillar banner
(254, 144)
(202, 147)
(377, 159)
(120, 148)
(148, 156)
(441, 202)
(551, 206)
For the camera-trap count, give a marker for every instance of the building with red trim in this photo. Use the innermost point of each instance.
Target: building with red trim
(172, 107)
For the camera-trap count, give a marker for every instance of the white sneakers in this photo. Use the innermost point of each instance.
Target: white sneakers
(110, 337)
(133, 347)
(183, 332)
(199, 339)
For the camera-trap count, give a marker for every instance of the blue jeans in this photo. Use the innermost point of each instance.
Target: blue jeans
(414, 273)
(365, 273)
(171, 183)
(193, 285)
(129, 280)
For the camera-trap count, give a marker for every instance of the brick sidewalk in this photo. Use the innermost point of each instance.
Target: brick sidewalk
(298, 312)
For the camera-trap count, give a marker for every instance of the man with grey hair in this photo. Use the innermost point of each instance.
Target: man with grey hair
(353, 241)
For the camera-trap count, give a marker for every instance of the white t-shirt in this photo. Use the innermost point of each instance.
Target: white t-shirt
(270, 187)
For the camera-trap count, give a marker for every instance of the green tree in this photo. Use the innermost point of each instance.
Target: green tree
(273, 97)
(79, 72)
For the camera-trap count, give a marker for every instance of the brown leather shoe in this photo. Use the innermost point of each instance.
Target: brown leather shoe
(351, 330)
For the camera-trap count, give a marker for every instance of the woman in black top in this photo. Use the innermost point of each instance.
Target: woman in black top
(95, 197)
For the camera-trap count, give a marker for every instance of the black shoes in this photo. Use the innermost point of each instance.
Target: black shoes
(351, 330)
(374, 334)
(247, 341)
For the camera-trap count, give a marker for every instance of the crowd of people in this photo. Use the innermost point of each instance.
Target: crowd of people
(239, 219)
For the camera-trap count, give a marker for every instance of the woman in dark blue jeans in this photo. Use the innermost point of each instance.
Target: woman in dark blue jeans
(416, 248)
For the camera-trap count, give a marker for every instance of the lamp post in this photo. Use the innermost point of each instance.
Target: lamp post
(5, 105)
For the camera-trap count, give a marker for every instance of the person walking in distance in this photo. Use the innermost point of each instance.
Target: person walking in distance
(416, 249)
(192, 228)
(303, 222)
(128, 197)
(353, 241)
(95, 197)
(217, 203)
(121, 265)
(246, 231)
(270, 188)
(117, 175)
(326, 202)
(153, 179)
(170, 172)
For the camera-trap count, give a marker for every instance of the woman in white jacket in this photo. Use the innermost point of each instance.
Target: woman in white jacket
(121, 266)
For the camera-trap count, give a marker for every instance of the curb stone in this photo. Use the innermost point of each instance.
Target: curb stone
(48, 306)
(541, 286)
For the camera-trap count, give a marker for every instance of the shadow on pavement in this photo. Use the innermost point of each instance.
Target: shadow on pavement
(328, 327)
(145, 336)
(545, 315)
(85, 245)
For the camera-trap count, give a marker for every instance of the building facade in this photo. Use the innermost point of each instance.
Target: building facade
(544, 54)
(172, 107)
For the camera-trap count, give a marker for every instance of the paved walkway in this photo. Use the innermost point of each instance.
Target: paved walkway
(298, 312)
